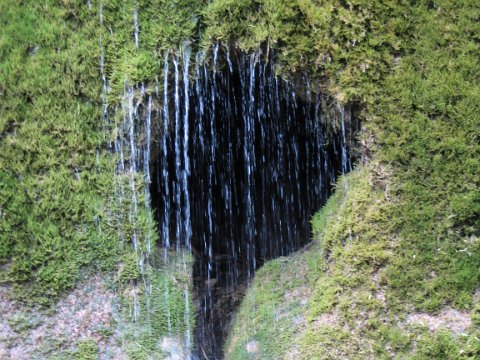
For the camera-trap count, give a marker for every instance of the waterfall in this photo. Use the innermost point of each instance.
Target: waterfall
(146, 169)
(186, 160)
(245, 159)
(155, 310)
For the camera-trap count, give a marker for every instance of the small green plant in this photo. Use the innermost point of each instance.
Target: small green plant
(21, 322)
(86, 350)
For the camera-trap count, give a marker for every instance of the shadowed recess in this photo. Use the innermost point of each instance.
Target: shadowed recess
(243, 160)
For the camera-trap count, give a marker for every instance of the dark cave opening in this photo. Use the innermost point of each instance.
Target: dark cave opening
(246, 160)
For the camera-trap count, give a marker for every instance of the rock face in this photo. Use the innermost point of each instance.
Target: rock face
(85, 315)
(173, 348)
(89, 321)
(456, 321)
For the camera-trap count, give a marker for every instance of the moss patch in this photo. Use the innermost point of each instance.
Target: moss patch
(52, 185)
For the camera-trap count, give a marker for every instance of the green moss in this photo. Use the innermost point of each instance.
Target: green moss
(446, 346)
(331, 340)
(86, 350)
(436, 162)
(21, 322)
(265, 318)
(129, 270)
(60, 218)
(50, 194)
(163, 25)
(349, 43)
(399, 235)
(476, 315)
(398, 339)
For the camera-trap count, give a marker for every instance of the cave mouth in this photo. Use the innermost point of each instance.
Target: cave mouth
(244, 162)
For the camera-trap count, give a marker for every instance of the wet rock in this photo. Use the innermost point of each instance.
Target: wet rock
(252, 347)
(86, 312)
(173, 349)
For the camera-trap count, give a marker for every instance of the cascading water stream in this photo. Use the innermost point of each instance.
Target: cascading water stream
(129, 139)
(243, 160)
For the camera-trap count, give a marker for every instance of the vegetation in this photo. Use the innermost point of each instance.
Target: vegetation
(87, 350)
(430, 134)
(164, 25)
(344, 46)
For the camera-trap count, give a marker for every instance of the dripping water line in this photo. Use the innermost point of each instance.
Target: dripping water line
(166, 222)
(186, 160)
(135, 25)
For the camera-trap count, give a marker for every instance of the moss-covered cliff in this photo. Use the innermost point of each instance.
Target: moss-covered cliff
(395, 248)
